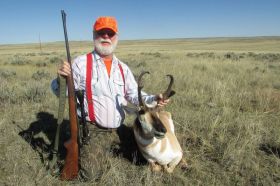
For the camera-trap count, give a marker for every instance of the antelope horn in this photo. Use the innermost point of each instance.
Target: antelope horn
(140, 86)
(169, 92)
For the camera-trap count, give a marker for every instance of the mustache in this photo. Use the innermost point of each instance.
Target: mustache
(101, 40)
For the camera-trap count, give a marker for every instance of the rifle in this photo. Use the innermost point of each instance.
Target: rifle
(83, 128)
(71, 165)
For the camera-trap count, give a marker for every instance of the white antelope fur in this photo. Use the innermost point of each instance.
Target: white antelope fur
(167, 151)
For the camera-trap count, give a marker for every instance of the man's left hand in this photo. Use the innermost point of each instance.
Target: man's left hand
(160, 101)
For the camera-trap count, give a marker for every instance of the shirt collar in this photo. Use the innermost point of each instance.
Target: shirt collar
(98, 58)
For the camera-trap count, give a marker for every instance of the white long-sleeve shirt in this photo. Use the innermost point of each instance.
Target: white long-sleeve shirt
(107, 91)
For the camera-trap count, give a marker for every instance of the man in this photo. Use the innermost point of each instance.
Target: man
(108, 85)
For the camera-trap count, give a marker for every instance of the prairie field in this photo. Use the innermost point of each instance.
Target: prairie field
(226, 111)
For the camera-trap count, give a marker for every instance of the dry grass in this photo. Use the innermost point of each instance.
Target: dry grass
(226, 110)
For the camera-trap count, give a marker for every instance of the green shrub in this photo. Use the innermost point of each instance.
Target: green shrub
(19, 60)
(6, 74)
(41, 64)
(35, 93)
(41, 74)
(55, 60)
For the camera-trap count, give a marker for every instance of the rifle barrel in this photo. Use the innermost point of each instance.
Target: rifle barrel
(71, 165)
(66, 36)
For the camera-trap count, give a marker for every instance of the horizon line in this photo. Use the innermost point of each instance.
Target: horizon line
(150, 39)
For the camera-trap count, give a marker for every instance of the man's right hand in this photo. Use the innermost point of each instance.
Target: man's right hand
(64, 69)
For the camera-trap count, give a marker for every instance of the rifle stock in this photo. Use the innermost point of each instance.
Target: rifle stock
(71, 165)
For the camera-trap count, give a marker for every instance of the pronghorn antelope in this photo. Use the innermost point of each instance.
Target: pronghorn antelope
(154, 133)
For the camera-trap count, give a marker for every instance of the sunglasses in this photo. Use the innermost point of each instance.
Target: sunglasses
(106, 32)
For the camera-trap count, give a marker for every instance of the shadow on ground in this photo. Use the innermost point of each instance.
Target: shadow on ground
(270, 149)
(41, 137)
(128, 147)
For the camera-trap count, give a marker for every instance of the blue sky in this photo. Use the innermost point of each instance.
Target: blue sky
(22, 21)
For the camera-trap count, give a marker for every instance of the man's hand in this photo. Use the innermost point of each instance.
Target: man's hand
(160, 101)
(64, 69)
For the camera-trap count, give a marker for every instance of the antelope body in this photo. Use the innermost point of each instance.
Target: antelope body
(154, 133)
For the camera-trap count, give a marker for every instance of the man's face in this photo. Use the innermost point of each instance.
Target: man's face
(105, 41)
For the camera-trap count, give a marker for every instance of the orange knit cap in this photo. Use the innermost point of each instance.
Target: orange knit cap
(106, 22)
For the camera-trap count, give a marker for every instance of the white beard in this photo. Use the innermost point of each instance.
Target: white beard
(105, 50)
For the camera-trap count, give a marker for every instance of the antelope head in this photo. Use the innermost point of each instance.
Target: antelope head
(148, 121)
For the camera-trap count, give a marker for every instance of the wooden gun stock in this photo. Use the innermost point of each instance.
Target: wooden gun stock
(71, 166)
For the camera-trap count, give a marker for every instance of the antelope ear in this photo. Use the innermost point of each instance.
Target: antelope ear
(172, 93)
(130, 110)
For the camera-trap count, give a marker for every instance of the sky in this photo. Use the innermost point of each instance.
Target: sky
(27, 21)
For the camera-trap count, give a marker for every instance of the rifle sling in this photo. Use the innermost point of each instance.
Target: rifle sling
(61, 108)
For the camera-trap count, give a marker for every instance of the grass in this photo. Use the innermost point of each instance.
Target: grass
(226, 110)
